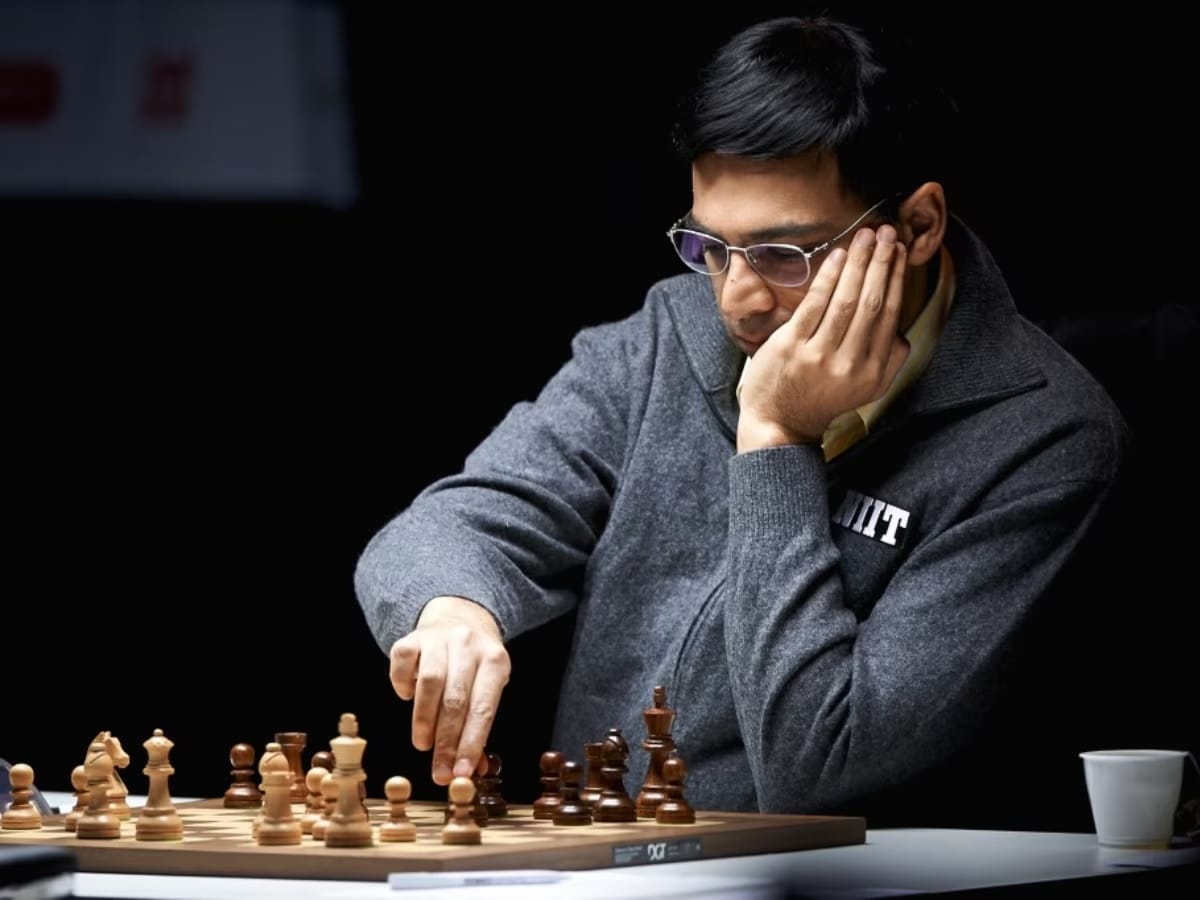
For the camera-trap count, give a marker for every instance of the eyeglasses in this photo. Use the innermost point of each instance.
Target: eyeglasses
(783, 264)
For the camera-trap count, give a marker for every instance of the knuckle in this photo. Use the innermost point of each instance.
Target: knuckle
(843, 310)
(483, 709)
(810, 318)
(403, 653)
(496, 656)
(432, 680)
(455, 698)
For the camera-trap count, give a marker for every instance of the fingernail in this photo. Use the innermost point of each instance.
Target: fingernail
(441, 773)
(886, 235)
(837, 254)
(463, 768)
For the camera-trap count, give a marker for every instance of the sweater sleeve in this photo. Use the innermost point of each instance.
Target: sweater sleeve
(514, 528)
(830, 708)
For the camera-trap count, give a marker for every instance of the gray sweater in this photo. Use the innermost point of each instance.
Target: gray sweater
(824, 631)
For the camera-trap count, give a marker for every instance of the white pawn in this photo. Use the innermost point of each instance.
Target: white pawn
(79, 784)
(22, 814)
(329, 796)
(315, 806)
(398, 827)
(461, 829)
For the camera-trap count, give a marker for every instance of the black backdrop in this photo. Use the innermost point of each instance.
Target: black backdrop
(211, 407)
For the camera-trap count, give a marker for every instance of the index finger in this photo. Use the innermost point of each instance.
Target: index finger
(403, 660)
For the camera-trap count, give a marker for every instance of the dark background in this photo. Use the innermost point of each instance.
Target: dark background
(210, 407)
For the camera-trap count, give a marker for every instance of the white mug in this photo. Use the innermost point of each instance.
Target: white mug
(1134, 795)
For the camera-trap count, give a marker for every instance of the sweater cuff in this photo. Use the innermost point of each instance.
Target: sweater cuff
(407, 605)
(778, 491)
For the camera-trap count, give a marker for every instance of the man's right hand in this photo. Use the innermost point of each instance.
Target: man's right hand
(454, 666)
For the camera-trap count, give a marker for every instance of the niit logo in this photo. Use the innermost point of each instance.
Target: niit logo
(871, 518)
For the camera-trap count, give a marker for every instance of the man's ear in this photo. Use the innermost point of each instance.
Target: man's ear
(921, 223)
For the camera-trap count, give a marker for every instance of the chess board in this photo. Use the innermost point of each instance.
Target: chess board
(218, 841)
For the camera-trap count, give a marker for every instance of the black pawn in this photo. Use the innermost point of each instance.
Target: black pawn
(487, 787)
(571, 810)
(551, 766)
(674, 810)
(243, 793)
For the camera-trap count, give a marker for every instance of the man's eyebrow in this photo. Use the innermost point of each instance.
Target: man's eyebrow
(787, 232)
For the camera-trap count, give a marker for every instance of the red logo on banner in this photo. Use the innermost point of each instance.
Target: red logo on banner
(167, 90)
(28, 92)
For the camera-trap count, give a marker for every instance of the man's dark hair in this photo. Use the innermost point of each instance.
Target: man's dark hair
(787, 86)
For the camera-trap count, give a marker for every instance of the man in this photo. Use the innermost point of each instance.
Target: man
(816, 487)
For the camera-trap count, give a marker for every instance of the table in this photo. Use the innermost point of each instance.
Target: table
(892, 862)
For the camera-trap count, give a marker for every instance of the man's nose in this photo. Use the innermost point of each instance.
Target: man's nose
(745, 291)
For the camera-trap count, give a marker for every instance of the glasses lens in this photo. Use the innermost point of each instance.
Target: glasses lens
(699, 252)
(780, 263)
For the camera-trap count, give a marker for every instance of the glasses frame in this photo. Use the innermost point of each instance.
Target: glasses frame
(748, 250)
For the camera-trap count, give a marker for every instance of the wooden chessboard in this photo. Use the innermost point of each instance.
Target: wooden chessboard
(217, 841)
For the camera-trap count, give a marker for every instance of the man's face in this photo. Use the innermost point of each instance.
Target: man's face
(790, 201)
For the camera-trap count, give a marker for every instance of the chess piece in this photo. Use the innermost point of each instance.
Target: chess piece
(158, 820)
(551, 766)
(323, 759)
(461, 829)
(615, 804)
(350, 824)
(659, 744)
(22, 815)
(315, 801)
(487, 789)
(98, 820)
(243, 793)
(571, 810)
(479, 813)
(117, 792)
(674, 809)
(398, 827)
(293, 744)
(277, 825)
(593, 774)
(79, 785)
(329, 795)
